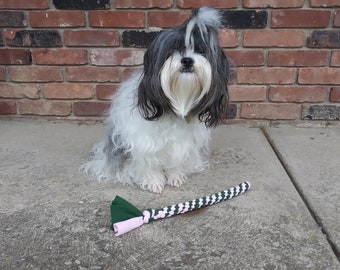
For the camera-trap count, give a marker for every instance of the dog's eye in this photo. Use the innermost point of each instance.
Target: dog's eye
(201, 52)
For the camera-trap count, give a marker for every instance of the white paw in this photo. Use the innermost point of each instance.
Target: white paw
(155, 188)
(176, 179)
(155, 185)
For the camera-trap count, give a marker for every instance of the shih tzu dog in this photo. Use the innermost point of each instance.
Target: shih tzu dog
(160, 121)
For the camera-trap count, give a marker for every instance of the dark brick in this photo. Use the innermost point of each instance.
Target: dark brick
(243, 19)
(231, 111)
(34, 38)
(1, 39)
(324, 39)
(321, 112)
(12, 18)
(138, 39)
(82, 5)
(84, 108)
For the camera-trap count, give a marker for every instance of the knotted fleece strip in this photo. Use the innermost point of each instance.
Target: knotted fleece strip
(126, 217)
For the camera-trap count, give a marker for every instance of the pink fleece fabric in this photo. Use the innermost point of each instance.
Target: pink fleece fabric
(127, 225)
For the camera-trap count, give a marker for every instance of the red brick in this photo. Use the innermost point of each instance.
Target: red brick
(109, 57)
(68, 91)
(24, 4)
(92, 74)
(143, 3)
(319, 76)
(212, 3)
(297, 58)
(106, 91)
(335, 59)
(334, 95)
(8, 107)
(292, 18)
(128, 71)
(98, 38)
(167, 18)
(28, 90)
(273, 3)
(15, 57)
(228, 38)
(297, 93)
(44, 107)
(266, 75)
(59, 57)
(2, 74)
(125, 19)
(91, 108)
(324, 3)
(273, 38)
(247, 93)
(336, 22)
(35, 74)
(269, 111)
(245, 57)
(56, 18)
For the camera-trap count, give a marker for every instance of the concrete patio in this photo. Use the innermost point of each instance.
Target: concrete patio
(55, 217)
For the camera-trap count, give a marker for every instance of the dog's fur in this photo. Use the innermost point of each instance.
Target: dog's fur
(160, 121)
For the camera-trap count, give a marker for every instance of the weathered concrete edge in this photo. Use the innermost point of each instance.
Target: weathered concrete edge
(299, 189)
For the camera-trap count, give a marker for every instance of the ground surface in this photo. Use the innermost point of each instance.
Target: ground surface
(54, 217)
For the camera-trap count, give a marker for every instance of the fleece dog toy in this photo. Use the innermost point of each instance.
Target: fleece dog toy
(125, 217)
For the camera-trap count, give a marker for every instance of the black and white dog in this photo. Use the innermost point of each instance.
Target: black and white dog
(160, 122)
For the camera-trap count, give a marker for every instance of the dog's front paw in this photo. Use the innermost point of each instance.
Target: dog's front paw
(176, 179)
(155, 188)
(156, 185)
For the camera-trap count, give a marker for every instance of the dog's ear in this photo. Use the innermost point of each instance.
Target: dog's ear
(152, 102)
(213, 106)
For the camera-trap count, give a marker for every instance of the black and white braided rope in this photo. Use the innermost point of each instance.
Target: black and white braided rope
(181, 208)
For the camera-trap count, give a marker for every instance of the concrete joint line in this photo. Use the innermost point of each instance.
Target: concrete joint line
(300, 192)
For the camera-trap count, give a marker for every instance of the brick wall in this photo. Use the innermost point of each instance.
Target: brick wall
(63, 59)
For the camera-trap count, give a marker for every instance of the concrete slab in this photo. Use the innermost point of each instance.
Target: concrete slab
(54, 217)
(312, 156)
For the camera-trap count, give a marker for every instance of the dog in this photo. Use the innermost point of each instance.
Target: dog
(160, 121)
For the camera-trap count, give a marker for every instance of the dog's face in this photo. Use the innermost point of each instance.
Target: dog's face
(186, 72)
(185, 79)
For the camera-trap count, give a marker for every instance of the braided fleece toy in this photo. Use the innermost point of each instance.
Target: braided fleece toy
(125, 217)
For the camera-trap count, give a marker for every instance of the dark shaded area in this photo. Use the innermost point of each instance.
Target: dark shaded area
(322, 112)
(82, 4)
(36, 38)
(243, 19)
(12, 18)
(324, 39)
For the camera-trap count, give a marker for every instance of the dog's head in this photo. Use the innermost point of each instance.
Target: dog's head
(186, 72)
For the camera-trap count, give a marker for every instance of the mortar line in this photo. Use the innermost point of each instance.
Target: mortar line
(314, 215)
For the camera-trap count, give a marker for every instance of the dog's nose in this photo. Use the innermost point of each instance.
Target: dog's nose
(187, 62)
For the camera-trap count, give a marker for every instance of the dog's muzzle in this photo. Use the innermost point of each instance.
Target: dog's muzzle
(187, 64)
